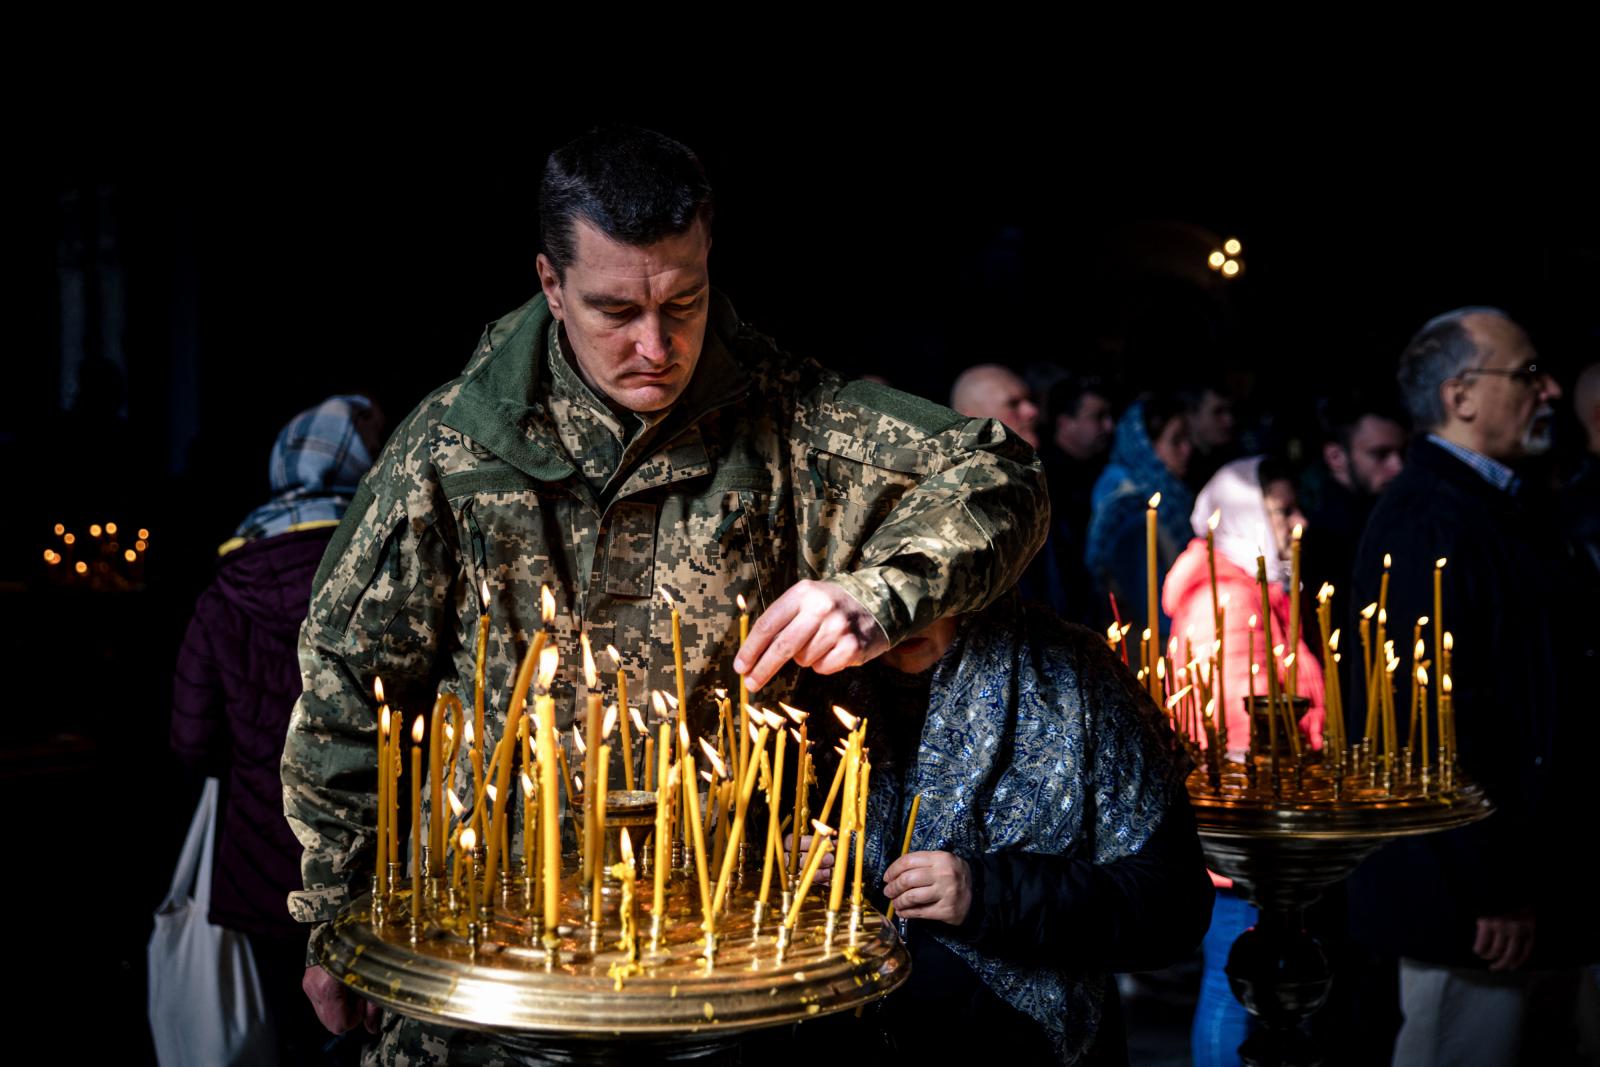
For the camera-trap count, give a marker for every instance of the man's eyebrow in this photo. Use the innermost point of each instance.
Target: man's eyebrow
(606, 300)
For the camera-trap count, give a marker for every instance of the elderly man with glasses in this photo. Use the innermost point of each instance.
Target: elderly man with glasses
(1486, 921)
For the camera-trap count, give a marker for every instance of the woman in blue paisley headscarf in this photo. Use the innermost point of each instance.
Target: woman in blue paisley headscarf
(1054, 844)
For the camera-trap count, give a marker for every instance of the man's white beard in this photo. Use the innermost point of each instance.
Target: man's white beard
(1540, 434)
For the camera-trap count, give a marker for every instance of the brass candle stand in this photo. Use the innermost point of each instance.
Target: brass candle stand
(1286, 838)
(574, 994)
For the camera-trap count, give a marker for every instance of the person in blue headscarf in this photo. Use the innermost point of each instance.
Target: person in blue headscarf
(1150, 455)
(1053, 846)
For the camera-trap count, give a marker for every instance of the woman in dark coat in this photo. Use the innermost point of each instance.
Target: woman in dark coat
(237, 679)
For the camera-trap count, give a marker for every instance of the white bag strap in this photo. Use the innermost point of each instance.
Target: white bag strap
(192, 878)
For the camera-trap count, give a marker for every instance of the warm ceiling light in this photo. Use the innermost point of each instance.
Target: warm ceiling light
(1232, 246)
(1231, 268)
(1215, 260)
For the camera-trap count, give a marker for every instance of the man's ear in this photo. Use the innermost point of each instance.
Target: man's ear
(550, 282)
(1457, 400)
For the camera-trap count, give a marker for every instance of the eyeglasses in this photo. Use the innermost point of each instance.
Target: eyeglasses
(1528, 376)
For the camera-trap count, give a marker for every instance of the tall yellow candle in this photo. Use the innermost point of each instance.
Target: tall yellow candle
(677, 656)
(549, 809)
(436, 785)
(697, 838)
(800, 792)
(741, 805)
(383, 797)
(861, 827)
(417, 734)
(744, 690)
(396, 727)
(469, 847)
(591, 762)
(1294, 611)
(483, 651)
(774, 784)
(649, 763)
(1438, 628)
(530, 824)
(820, 846)
(669, 782)
(851, 764)
(622, 708)
(905, 846)
(502, 781)
(597, 801)
(1152, 592)
(1272, 672)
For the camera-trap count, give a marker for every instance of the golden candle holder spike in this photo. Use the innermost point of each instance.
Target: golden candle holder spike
(474, 938)
(741, 864)
(377, 904)
(397, 878)
(855, 924)
(830, 924)
(757, 914)
(414, 931)
(655, 934)
(782, 947)
(711, 949)
(785, 901)
(508, 881)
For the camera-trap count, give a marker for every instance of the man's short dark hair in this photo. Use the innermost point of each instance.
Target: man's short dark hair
(635, 186)
(1066, 395)
(1441, 350)
(1160, 408)
(1193, 389)
(1339, 415)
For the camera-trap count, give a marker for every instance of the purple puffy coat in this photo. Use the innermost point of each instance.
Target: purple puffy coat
(236, 681)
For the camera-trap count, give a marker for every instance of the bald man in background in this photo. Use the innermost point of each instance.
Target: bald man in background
(990, 391)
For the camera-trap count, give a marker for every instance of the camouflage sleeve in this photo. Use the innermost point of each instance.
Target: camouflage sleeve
(380, 605)
(915, 511)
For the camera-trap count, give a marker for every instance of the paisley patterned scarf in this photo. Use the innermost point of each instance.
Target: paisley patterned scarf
(1036, 739)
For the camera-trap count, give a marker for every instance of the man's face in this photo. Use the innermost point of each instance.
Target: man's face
(1174, 447)
(1509, 410)
(634, 317)
(1376, 455)
(1086, 434)
(1211, 424)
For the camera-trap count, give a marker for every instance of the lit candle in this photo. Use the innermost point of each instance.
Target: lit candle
(669, 782)
(742, 804)
(469, 846)
(1272, 673)
(549, 811)
(744, 691)
(1294, 610)
(1438, 629)
(698, 840)
(530, 825)
(677, 658)
(1367, 665)
(1211, 564)
(622, 704)
(506, 753)
(478, 673)
(861, 827)
(417, 733)
(629, 909)
(801, 794)
(436, 785)
(591, 768)
(383, 794)
(851, 765)
(820, 846)
(598, 803)
(1152, 591)
(649, 762)
(774, 784)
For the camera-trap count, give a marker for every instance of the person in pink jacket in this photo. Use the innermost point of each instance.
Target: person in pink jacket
(1254, 499)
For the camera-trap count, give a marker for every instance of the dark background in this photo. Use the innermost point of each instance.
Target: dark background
(242, 268)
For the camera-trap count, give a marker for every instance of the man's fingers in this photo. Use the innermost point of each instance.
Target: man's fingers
(830, 629)
(1489, 941)
(780, 650)
(845, 653)
(770, 623)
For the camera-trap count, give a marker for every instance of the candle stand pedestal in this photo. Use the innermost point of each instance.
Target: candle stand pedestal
(588, 1004)
(1283, 849)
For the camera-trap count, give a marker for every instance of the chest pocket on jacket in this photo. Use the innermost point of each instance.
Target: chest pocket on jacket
(848, 487)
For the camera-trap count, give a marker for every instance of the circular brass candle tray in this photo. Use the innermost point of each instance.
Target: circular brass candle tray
(1284, 846)
(588, 994)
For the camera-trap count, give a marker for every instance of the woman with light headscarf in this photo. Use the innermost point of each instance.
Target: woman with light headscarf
(1254, 501)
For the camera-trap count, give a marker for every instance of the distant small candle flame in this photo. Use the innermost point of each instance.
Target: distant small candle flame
(740, 600)
(673, 604)
(1449, 641)
(1155, 501)
(1388, 561)
(549, 660)
(547, 605)
(717, 765)
(417, 731)
(794, 713)
(1370, 610)
(469, 839)
(627, 849)
(637, 719)
(1297, 531)
(527, 784)
(850, 721)
(591, 677)
(483, 589)
(1439, 563)
(577, 739)
(659, 704)
(456, 807)
(383, 720)
(1211, 523)
(616, 657)
(377, 689)
(609, 722)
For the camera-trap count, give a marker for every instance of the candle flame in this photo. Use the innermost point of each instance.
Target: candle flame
(1333, 641)
(673, 604)
(1422, 621)
(449, 733)
(417, 729)
(740, 600)
(627, 849)
(1155, 502)
(683, 734)
(1251, 622)
(1324, 593)
(591, 678)
(549, 660)
(466, 732)
(839, 750)
(1388, 649)
(383, 720)
(527, 785)
(577, 739)
(547, 605)
(1255, 668)
(144, 534)
(794, 713)
(1127, 628)
(1176, 698)
(1161, 668)
(456, 807)
(659, 704)
(1449, 641)
(1297, 531)
(483, 588)
(1383, 616)
(577, 782)
(1113, 633)
(1277, 650)
(1388, 560)
(773, 720)
(1211, 708)
(706, 774)
(672, 701)
(1421, 649)
(1216, 517)
(469, 839)
(673, 777)
(616, 657)
(377, 688)
(491, 791)
(850, 721)
(720, 693)
(822, 828)
(637, 719)
(1422, 676)
(609, 722)
(717, 765)
(1445, 684)
(1438, 564)
(753, 733)
(1336, 657)
(1370, 610)
(1288, 661)
(1145, 636)
(1391, 666)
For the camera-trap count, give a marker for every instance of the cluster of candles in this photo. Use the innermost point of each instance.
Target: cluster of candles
(98, 556)
(696, 844)
(1191, 687)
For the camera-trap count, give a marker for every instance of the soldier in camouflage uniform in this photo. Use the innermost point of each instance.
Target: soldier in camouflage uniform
(622, 434)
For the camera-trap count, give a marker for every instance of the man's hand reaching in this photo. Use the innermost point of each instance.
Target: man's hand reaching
(816, 624)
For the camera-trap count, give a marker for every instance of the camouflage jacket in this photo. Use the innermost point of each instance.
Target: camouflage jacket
(767, 470)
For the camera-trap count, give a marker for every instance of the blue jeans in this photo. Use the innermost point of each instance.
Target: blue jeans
(1220, 1021)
